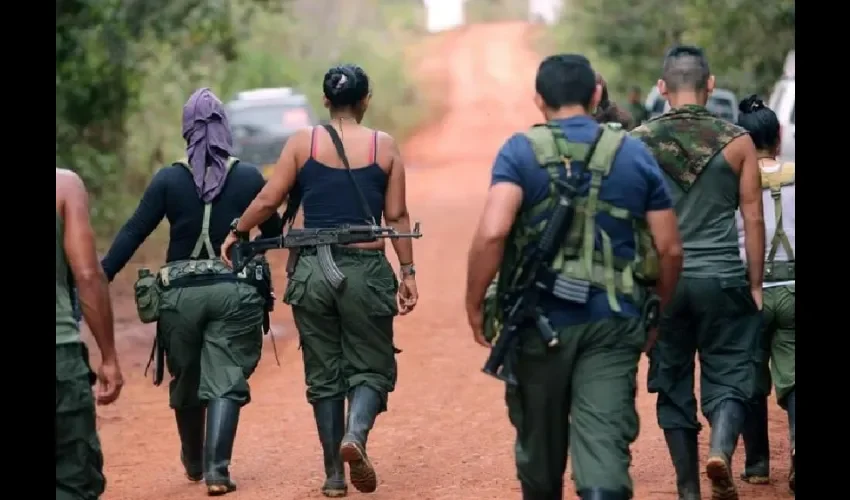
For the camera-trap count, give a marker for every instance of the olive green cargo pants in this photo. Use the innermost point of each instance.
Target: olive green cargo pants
(213, 339)
(718, 319)
(777, 344)
(346, 335)
(79, 461)
(578, 397)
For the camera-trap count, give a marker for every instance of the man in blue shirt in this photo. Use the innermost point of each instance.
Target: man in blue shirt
(581, 395)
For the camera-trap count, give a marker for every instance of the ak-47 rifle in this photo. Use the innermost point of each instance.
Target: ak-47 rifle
(243, 251)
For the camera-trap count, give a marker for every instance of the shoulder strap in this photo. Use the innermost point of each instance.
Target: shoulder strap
(340, 150)
(606, 149)
(204, 240)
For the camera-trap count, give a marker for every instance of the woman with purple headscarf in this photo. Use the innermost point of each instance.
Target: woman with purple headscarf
(209, 321)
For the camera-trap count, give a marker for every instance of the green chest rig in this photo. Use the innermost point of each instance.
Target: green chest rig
(774, 181)
(578, 259)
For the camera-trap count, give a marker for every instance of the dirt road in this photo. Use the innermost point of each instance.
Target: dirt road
(446, 436)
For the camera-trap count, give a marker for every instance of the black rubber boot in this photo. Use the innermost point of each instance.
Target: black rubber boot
(682, 444)
(756, 444)
(600, 494)
(726, 425)
(364, 404)
(529, 493)
(222, 420)
(791, 408)
(190, 427)
(330, 422)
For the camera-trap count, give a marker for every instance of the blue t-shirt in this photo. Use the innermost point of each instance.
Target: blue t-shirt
(634, 183)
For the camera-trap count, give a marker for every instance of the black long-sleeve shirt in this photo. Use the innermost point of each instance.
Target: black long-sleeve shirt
(172, 194)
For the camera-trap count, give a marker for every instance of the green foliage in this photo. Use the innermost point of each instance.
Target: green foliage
(745, 40)
(124, 69)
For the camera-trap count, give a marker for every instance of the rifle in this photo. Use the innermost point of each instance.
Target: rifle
(522, 300)
(242, 252)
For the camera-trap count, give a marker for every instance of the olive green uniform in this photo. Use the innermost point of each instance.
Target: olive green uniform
(777, 351)
(346, 335)
(578, 397)
(79, 461)
(712, 312)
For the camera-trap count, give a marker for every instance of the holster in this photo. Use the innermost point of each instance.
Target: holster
(157, 357)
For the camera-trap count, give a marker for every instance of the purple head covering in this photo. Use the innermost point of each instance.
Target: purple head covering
(208, 142)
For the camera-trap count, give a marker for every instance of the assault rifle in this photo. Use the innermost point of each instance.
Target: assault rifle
(521, 301)
(242, 252)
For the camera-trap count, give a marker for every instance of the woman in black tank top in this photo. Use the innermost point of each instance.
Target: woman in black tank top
(346, 332)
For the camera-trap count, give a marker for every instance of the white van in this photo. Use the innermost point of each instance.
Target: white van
(783, 102)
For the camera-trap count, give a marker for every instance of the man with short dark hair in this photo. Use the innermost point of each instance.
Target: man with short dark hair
(79, 461)
(716, 308)
(579, 396)
(636, 107)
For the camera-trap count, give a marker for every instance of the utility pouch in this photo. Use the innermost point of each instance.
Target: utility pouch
(147, 295)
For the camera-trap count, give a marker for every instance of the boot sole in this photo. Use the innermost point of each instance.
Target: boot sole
(755, 479)
(195, 479)
(335, 492)
(360, 470)
(722, 485)
(216, 490)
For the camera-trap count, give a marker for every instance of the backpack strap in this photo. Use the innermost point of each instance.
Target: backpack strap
(774, 181)
(204, 240)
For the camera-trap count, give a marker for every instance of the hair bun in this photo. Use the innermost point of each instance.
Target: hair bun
(341, 79)
(751, 104)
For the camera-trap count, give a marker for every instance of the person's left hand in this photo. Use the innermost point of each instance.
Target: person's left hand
(225, 248)
(475, 317)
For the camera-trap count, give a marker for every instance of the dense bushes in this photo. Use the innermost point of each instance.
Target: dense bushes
(124, 70)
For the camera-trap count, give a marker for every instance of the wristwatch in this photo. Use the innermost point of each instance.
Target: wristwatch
(241, 235)
(407, 270)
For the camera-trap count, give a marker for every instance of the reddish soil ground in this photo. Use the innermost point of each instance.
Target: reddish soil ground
(446, 436)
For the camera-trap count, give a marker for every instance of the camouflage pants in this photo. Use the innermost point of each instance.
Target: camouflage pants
(79, 461)
(346, 335)
(213, 340)
(579, 398)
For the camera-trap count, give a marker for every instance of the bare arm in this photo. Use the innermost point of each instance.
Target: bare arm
(488, 245)
(664, 227)
(273, 194)
(395, 207)
(752, 210)
(79, 243)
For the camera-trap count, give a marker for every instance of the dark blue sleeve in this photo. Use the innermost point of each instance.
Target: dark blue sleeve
(147, 216)
(657, 193)
(510, 164)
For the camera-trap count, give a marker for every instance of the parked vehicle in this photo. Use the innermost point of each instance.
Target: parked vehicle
(721, 102)
(262, 121)
(783, 102)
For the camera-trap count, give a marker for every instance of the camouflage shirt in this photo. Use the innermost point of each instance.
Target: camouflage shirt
(684, 140)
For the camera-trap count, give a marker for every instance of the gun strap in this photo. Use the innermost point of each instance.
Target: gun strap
(340, 150)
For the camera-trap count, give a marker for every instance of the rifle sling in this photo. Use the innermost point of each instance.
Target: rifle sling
(340, 150)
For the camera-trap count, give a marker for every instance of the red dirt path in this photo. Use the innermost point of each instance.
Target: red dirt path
(446, 436)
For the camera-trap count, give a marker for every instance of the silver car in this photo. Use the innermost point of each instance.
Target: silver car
(262, 121)
(721, 102)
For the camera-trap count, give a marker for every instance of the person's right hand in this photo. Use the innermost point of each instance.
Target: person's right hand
(109, 382)
(225, 248)
(758, 297)
(407, 295)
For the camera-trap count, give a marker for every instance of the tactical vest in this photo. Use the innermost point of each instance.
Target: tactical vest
(774, 181)
(210, 266)
(578, 258)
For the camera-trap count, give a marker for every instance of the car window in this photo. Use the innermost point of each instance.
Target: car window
(724, 108)
(793, 109)
(270, 117)
(658, 106)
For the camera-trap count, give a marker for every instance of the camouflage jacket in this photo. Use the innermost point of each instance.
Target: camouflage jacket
(684, 140)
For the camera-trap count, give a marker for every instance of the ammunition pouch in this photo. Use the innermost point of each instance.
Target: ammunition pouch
(147, 296)
(778, 271)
